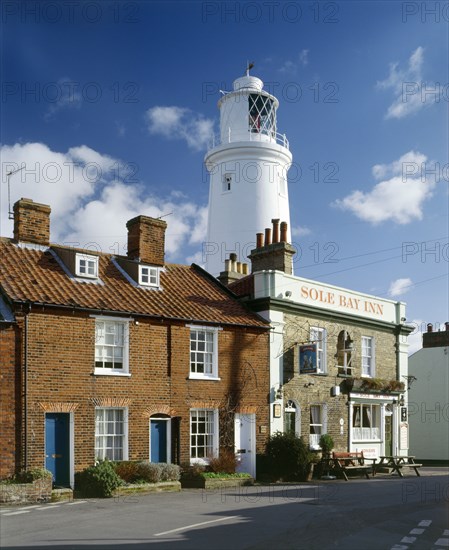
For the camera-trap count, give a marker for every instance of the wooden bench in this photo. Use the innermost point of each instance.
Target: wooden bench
(353, 461)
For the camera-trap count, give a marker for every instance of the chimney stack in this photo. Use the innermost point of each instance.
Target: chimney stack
(146, 240)
(31, 222)
(276, 255)
(234, 270)
(432, 339)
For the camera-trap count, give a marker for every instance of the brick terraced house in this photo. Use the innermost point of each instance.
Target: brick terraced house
(339, 360)
(125, 357)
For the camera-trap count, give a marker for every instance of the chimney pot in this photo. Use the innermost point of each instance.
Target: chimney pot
(447, 326)
(429, 327)
(245, 269)
(233, 256)
(239, 267)
(275, 223)
(267, 236)
(227, 265)
(259, 240)
(284, 232)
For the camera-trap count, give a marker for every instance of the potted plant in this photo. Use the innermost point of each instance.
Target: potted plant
(326, 444)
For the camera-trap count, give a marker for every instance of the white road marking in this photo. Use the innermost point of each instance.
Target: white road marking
(186, 527)
(442, 542)
(446, 532)
(17, 513)
(425, 523)
(76, 502)
(399, 547)
(417, 531)
(408, 540)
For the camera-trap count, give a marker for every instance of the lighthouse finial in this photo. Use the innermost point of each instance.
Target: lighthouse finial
(249, 66)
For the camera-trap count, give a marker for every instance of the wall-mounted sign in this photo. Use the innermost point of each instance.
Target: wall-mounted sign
(307, 359)
(277, 410)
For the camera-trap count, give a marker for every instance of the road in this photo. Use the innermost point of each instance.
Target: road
(381, 513)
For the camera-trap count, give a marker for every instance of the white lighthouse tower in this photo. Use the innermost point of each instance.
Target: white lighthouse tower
(248, 167)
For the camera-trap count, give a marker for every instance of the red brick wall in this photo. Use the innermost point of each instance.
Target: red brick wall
(60, 374)
(146, 239)
(8, 402)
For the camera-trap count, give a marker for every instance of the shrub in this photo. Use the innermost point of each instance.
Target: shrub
(225, 463)
(98, 481)
(28, 476)
(326, 443)
(192, 470)
(127, 470)
(170, 472)
(289, 457)
(149, 472)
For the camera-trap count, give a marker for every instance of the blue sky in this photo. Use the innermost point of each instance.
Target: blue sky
(110, 106)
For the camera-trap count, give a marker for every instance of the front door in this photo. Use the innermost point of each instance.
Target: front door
(57, 447)
(158, 440)
(245, 443)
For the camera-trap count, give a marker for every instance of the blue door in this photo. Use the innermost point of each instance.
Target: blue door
(57, 447)
(158, 435)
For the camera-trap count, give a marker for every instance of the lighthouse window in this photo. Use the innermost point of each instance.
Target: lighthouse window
(227, 181)
(261, 114)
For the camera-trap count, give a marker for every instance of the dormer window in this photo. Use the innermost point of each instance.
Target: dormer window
(148, 276)
(86, 266)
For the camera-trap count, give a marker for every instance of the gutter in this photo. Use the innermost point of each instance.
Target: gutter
(137, 314)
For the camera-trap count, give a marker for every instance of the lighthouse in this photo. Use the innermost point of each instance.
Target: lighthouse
(248, 165)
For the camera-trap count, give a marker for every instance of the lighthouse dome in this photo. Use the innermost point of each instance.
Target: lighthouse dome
(248, 82)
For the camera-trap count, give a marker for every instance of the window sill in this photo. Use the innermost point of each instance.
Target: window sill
(320, 374)
(98, 372)
(203, 377)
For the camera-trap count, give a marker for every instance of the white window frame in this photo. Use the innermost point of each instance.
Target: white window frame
(86, 265)
(368, 359)
(193, 373)
(195, 436)
(101, 450)
(117, 371)
(318, 336)
(363, 432)
(149, 275)
(314, 438)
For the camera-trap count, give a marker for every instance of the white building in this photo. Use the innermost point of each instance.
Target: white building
(248, 165)
(429, 397)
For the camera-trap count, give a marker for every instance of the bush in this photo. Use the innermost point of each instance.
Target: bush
(98, 481)
(170, 472)
(127, 470)
(289, 457)
(150, 472)
(225, 463)
(326, 444)
(28, 476)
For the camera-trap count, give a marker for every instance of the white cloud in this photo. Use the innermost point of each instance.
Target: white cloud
(93, 207)
(399, 198)
(62, 94)
(180, 123)
(300, 231)
(400, 287)
(291, 67)
(406, 84)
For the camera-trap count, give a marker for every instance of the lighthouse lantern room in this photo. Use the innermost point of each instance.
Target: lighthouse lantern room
(248, 165)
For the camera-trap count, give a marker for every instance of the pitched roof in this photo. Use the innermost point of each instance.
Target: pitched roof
(188, 292)
(243, 287)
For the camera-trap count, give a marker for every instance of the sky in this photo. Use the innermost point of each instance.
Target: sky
(110, 106)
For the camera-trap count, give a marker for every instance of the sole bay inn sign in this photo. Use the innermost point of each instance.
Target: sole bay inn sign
(325, 296)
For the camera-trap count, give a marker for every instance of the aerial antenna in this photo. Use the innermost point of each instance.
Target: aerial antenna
(165, 215)
(249, 66)
(8, 175)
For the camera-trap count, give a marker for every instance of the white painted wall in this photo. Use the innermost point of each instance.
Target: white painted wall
(429, 404)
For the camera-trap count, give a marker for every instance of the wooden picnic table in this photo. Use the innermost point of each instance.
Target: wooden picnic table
(397, 463)
(345, 462)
